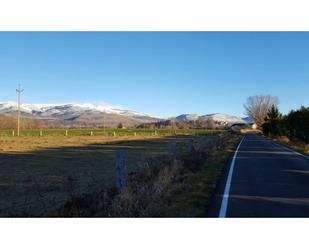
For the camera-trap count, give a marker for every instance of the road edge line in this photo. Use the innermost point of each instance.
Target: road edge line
(225, 198)
(289, 149)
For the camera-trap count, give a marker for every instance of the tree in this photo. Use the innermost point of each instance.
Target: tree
(273, 124)
(210, 123)
(9, 122)
(297, 124)
(273, 113)
(258, 106)
(120, 126)
(199, 123)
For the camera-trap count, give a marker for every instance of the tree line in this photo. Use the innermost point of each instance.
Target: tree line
(294, 125)
(200, 123)
(9, 123)
(263, 109)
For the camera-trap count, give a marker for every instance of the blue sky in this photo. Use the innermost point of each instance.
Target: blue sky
(158, 73)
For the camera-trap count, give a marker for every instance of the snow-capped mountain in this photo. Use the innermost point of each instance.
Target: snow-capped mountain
(64, 110)
(225, 119)
(187, 117)
(222, 119)
(248, 120)
(93, 115)
(74, 114)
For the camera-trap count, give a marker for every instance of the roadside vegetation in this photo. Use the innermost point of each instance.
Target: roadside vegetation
(181, 186)
(291, 129)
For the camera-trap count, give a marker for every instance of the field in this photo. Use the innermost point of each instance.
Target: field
(108, 132)
(38, 173)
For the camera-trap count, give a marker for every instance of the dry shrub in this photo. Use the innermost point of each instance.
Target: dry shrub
(283, 139)
(145, 195)
(149, 192)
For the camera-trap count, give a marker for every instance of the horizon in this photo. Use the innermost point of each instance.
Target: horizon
(162, 74)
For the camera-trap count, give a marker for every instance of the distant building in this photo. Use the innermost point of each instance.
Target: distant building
(238, 126)
(254, 126)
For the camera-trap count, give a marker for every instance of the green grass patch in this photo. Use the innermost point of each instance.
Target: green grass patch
(110, 132)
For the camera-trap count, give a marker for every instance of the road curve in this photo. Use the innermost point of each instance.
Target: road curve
(266, 180)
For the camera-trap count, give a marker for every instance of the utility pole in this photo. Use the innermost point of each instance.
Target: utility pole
(19, 91)
(104, 122)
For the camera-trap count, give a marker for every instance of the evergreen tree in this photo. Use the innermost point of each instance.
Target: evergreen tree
(273, 122)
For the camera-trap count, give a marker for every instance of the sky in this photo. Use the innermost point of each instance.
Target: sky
(157, 73)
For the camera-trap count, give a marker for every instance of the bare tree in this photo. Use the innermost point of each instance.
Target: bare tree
(257, 107)
(210, 123)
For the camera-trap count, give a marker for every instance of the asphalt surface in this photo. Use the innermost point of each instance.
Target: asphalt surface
(267, 180)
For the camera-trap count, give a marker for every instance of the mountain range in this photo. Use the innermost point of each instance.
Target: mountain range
(222, 119)
(77, 115)
(96, 115)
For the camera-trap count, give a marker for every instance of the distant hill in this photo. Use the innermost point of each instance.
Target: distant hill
(77, 115)
(98, 115)
(248, 120)
(187, 117)
(219, 118)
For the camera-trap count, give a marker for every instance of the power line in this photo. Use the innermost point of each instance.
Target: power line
(19, 92)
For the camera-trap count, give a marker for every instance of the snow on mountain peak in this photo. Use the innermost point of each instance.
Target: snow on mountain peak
(62, 109)
(217, 117)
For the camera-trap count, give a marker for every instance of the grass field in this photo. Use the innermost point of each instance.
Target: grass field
(39, 173)
(108, 132)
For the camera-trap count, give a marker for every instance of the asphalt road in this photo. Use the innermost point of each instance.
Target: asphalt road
(266, 180)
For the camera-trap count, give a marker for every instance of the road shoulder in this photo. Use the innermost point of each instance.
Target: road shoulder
(216, 200)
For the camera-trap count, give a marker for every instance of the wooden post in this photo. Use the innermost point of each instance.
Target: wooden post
(13, 133)
(114, 134)
(156, 132)
(135, 134)
(19, 91)
(120, 168)
(66, 133)
(41, 133)
(91, 133)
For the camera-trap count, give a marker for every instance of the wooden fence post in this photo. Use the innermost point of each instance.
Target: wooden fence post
(13, 133)
(91, 133)
(121, 168)
(114, 134)
(41, 133)
(66, 133)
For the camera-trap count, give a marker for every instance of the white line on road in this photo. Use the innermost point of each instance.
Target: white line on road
(288, 149)
(226, 194)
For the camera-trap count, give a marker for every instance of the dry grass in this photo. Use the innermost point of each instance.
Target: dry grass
(248, 131)
(179, 187)
(34, 143)
(296, 145)
(40, 173)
